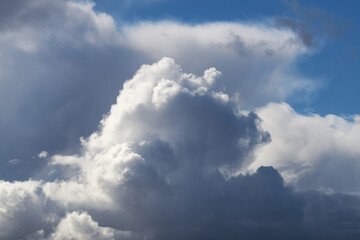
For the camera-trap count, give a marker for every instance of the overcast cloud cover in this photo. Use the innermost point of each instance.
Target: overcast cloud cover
(177, 151)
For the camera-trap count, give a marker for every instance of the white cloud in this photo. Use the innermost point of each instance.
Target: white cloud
(15, 161)
(80, 226)
(255, 58)
(310, 150)
(97, 28)
(43, 154)
(159, 105)
(145, 157)
(22, 209)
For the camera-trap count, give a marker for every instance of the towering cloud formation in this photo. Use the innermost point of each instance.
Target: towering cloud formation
(163, 165)
(169, 137)
(62, 63)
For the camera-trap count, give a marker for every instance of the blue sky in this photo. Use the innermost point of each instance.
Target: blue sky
(334, 63)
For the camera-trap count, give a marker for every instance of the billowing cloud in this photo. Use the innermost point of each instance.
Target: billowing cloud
(62, 63)
(311, 151)
(163, 165)
(165, 124)
(80, 226)
(164, 162)
(23, 209)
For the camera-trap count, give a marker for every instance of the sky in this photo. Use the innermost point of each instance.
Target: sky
(163, 119)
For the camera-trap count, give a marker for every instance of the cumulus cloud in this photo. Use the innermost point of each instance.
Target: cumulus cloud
(184, 124)
(165, 146)
(23, 209)
(163, 165)
(80, 226)
(311, 151)
(62, 64)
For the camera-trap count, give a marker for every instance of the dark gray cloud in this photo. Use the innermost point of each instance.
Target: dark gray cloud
(331, 216)
(254, 206)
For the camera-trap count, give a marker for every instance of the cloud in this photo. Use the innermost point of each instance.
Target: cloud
(300, 28)
(331, 216)
(80, 226)
(163, 164)
(137, 169)
(311, 151)
(62, 64)
(23, 209)
(43, 154)
(16, 14)
(15, 161)
(190, 127)
(236, 49)
(60, 73)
